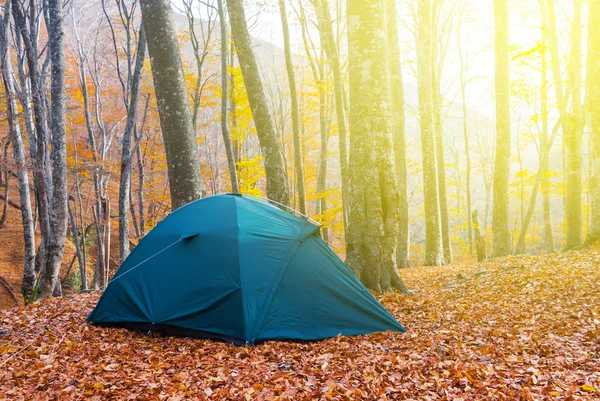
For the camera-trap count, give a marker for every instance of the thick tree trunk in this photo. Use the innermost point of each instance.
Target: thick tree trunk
(235, 187)
(501, 238)
(173, 104)
(58, 217)
(126, 154)
(398, 136)
(289, 65)
(593, 93)
(273, 161)
(433, 243)
(373, 202)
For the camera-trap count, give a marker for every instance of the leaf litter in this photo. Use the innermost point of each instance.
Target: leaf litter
(515, 328)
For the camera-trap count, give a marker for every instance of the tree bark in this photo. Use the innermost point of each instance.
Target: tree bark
(545, 181)
(276, 174)
(173, 104)
(328, 42)
(289, 65)
(27, 286)
(373, 202)
(479, 240)
(398, 136)
(126, 154)
(575, 134)
(235, 186)
(50, 283)
(593, 101)
(501, 238)
(433, 243)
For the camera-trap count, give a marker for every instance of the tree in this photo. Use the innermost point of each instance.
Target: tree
(331, 51)
(593, 103)
(235, 187)
(59, 199)
(173, 104)
(289, 65)
(27, 286)
(574, 135)
(433, 232)
(501, 238)
(274, 168)
(373, 202)
(398, 132)
(126, 153)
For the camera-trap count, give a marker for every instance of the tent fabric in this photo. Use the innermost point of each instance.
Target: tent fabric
(239, 269)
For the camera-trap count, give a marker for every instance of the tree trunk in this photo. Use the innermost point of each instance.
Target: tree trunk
(433, 243)
(544, 156)
(6, 183)
(58, 217)
(28, 284)
(42, 172)
(545, 181)
(501, 239)
(398, 136)
(235, 187)
(274, 169)
(463, 93)
(441, 164)
(126, 154)
(328, 42)
(479, 240)
(289, 65)
(574, 138)
(373, 202)
(593, 92)
(173, 104)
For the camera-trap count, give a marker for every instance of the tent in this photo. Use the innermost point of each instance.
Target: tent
(237, 268)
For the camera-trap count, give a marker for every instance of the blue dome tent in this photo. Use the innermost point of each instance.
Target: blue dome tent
(237, 268)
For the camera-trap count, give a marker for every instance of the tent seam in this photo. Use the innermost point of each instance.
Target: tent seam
(284, 268)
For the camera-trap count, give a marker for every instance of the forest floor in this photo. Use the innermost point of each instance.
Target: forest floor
(512, 328)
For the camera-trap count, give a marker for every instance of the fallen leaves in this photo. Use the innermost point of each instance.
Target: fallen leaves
(528, 332)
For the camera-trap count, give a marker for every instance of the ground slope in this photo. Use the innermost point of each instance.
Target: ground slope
(514, 328)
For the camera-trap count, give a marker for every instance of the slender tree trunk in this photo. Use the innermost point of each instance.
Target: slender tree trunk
(126, 154)
(501, 239)
(544, 156)
(42, 174)
(6, 183)
(173, 104)
(328, 41)
(235, 187)
(272, 154)
(573, 140)
(545, 183)
(373, 202)
(28, 284)
(289, 65)
(463, 93)
(398, 135)
(441, 165)
(479, 240)
(433, 243)
(324, 135)
(593, 91)
(140, 189)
